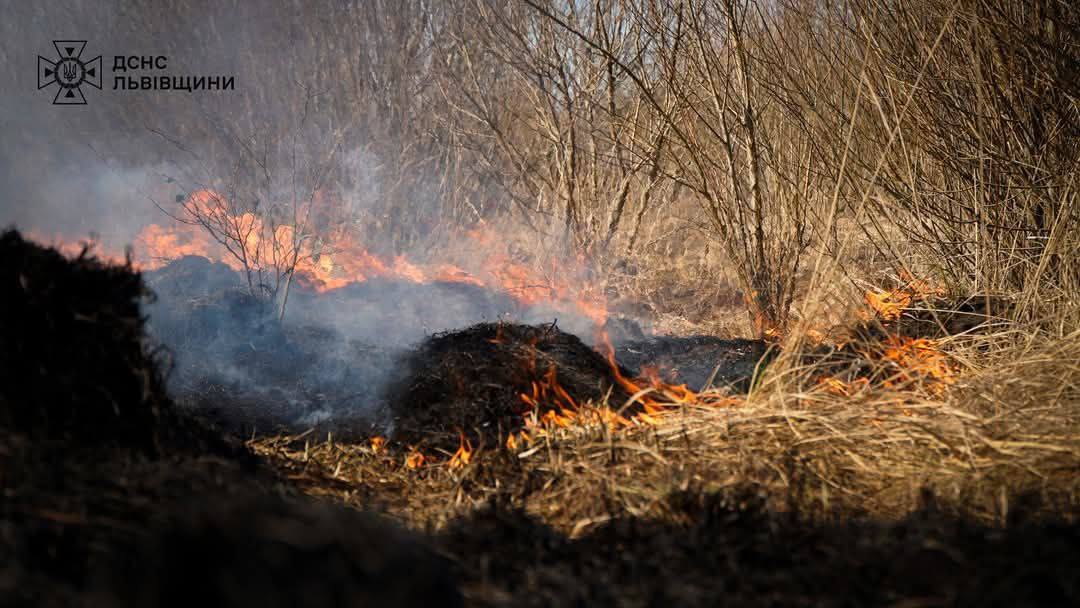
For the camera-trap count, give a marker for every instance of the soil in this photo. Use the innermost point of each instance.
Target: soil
(697, 361)
(731, 549)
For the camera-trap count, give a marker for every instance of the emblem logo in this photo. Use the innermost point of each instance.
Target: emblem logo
(69, 72)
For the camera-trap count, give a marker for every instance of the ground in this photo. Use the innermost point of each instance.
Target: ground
(859, 470)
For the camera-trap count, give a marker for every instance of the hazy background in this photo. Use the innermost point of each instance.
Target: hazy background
(79, 169)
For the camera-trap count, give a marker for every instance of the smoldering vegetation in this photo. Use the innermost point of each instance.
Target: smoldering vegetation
(389, 356)
(327, 363)
(115, 496)
(120, 498)
(234, 357)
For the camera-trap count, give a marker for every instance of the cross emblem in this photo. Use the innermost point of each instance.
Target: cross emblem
(70, 72)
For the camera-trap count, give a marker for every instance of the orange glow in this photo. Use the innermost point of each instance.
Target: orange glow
(415, 459)
(889, 305)
(909, 360)
(463, 455)
(378, 444)
(657, 397)
(74, 248)
(919, 358)
(549, 407)
(335, 258)
(513, 441)
(838, 387)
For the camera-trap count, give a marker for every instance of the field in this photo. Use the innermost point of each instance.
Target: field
(936, 483)
(636, 303)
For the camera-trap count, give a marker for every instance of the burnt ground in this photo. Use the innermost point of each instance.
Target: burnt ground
(327, 364)
(114, 496)
(231, 359)
(471, 381)
(697, 361)
(352, 363)
(358, 361)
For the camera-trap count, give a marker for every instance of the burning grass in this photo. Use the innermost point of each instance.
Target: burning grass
(510, 385)
(486, 380)
(928, 469)
(879, 457)
(871, 419)
(789, 496)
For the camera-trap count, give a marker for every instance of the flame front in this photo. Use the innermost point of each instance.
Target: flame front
(336, 258)
(907, 360)
(549, 407)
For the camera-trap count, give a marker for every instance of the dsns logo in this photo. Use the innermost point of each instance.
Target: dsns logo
(69, 72)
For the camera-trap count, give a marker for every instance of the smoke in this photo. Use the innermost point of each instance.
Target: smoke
(297, 121)
(330, 357)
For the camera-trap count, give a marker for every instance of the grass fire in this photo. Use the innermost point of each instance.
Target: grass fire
(540, 303)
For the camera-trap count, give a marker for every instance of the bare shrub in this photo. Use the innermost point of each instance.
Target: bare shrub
(977, 109)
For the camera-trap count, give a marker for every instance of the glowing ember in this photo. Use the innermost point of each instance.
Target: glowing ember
(889, 305)
(415, 459)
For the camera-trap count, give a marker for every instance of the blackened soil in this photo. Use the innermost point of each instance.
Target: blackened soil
(695, 360)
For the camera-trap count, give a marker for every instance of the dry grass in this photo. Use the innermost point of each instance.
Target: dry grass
(1002, 441)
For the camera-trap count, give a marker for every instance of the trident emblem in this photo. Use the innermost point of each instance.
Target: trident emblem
(70, 72)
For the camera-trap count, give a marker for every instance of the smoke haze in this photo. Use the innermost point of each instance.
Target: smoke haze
(297, 121)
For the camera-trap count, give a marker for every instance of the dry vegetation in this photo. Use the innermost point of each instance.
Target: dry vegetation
(816, 153)
(1005, 430)
(808, 153)
(738, 168)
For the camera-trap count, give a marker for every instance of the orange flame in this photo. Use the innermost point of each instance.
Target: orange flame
(658, 397)
(890, 304)
(463, 455)
(841, 388)
(415, 459)
(514, 440)
(335, 258)
(919, 358)
(549, 407)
